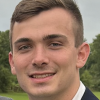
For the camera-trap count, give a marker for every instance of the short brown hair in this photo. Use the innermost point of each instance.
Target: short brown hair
(29, 8)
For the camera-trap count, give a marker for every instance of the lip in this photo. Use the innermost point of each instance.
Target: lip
(41, 77)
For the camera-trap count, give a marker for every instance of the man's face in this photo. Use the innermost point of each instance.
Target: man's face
(44, 56)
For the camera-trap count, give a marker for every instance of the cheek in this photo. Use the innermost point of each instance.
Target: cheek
(21, 62)
(61, 59)
(66, 70)
(65, 60)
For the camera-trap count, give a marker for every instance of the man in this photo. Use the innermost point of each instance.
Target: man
(4, 98)
(47, 50)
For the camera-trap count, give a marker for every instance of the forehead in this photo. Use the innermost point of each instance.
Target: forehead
(56, 19)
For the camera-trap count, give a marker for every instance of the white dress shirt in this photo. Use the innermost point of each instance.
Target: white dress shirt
(80, 92)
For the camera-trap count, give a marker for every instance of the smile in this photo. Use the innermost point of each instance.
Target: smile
(41, 76)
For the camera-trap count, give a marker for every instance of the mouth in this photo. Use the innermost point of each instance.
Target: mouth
(41, 76)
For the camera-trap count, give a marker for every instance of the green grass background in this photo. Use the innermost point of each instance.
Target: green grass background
(97, 94)
(23, 96)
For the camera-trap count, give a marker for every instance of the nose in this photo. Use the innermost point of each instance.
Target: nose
(40, 58)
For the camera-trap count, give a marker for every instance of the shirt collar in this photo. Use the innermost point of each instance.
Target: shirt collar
(80, 92)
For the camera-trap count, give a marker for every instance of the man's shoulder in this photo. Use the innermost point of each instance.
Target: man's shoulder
(5, 98)
(88, 95)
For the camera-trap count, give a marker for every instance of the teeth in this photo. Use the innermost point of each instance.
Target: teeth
(41, 76)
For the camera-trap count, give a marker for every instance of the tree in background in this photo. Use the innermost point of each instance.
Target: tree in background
(4, 48)
(95, 67)
(86, 78)
(92, 67)
(5, 79)
(5, 75)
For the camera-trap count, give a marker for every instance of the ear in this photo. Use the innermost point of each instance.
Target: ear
(11, 62)
(83, 53)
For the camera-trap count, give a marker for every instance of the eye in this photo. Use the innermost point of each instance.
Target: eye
(24, 47)
(55, 44)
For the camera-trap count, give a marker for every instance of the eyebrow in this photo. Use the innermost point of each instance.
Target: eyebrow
(48, 37)
(22, 40)
(54, 36)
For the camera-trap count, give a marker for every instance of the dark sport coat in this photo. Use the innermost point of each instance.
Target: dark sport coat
(88, 95)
